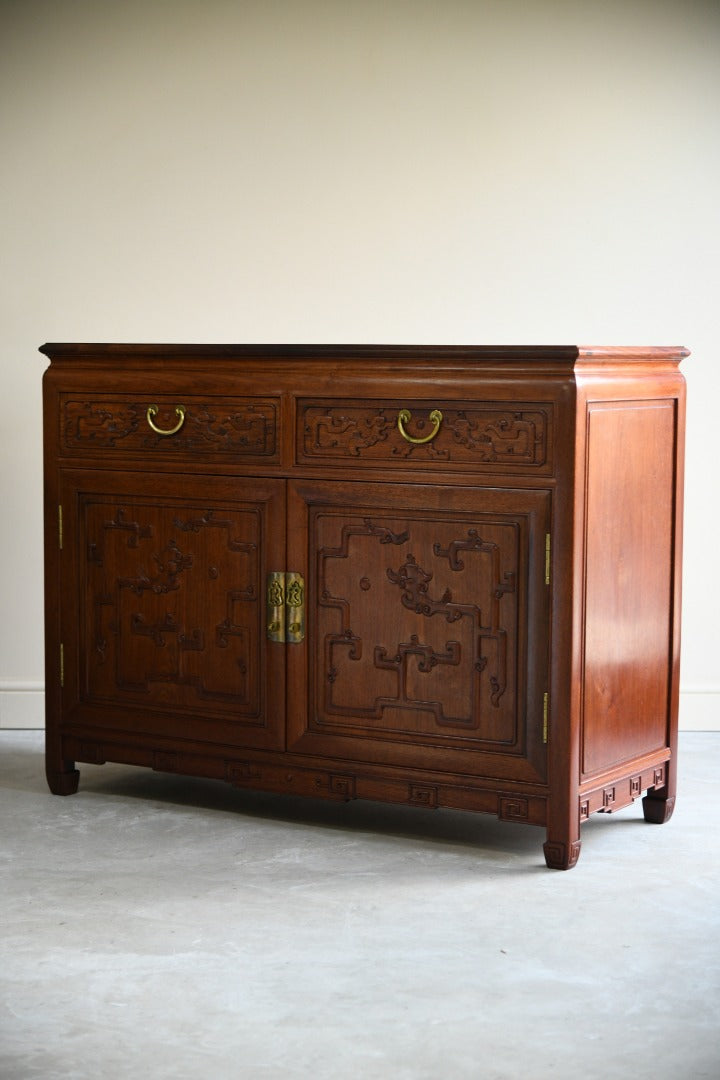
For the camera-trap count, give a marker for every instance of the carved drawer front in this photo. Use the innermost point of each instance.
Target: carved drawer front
(484, 435)
(246, 428)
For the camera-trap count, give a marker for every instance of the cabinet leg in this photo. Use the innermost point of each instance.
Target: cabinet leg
(659, 803)
(560, 855)
(62, 781)
(658, 808)
(562, 846)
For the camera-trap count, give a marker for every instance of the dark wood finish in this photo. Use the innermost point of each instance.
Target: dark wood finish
(492, 604)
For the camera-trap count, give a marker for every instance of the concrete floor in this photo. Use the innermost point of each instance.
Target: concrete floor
(164, 927)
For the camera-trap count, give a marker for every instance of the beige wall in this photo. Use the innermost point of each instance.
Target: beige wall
(357, 170)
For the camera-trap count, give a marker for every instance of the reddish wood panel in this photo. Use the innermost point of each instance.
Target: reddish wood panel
(629, 580)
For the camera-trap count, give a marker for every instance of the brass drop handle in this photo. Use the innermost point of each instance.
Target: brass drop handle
(295, 600)
(275, 623)
(285, 612)
(405, 416)
(153, 411)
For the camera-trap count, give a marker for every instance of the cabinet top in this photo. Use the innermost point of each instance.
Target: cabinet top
(479, 353)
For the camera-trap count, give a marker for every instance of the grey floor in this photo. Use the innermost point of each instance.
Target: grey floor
(157, 926)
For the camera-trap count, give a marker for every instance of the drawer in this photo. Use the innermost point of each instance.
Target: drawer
(237, 427)
(478, 435)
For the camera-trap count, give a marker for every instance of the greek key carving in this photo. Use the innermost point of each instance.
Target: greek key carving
(513, 808)
(423, 795)
(560, 856)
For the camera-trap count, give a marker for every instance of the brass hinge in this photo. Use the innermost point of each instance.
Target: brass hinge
(545, 717)
(285, 607)
(60, 528)
(62, 664)
(547, 558)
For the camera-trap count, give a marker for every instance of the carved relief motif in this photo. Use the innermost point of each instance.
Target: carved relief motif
(422, 795)
(135, 532)
(345, 434)
(421, 678)
(511, 436)
(513, 808)
(248, 427)
(414, 583)
(344, 786)
(171, 604)
(494, 433)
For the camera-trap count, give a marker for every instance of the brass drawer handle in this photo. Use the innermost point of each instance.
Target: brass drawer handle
(153, 411)
(405, 416)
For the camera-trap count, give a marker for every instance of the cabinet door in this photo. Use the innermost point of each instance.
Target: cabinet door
(427, 634)
(163, 606)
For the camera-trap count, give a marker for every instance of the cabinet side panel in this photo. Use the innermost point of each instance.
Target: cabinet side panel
(628, 582)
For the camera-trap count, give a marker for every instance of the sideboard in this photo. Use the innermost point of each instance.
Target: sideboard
(443, 576)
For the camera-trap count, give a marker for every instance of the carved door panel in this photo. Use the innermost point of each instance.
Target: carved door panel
(163, 605)
(427, 626)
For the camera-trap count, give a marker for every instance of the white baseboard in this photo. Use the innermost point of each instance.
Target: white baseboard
(22, 705)
(700, 708)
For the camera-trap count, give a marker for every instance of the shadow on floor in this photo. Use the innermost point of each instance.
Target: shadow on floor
(23, 769)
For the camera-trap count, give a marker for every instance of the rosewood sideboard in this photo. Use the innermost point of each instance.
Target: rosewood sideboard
(442, 576)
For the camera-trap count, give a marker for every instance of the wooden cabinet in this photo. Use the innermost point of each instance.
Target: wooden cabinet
(442, 576)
